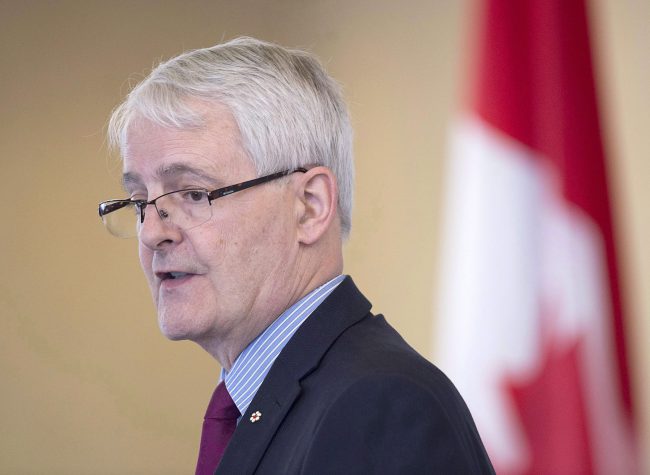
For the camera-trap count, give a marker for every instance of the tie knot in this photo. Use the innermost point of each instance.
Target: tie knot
(221, 405)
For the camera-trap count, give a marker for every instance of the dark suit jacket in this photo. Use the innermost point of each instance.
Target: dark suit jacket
(347, 395)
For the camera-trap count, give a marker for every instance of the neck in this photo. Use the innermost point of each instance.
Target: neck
(311, 271)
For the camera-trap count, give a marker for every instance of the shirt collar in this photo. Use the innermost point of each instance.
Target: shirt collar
(252, 365)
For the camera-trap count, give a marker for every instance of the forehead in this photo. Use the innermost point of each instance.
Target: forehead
(152, 152)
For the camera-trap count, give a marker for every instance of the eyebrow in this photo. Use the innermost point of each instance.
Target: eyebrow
(165, 172)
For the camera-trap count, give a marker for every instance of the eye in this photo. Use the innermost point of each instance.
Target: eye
(194, 196)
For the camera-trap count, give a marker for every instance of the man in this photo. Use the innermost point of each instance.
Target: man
(238, 164)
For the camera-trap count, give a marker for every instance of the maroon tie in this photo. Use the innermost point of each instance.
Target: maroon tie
(218, 426)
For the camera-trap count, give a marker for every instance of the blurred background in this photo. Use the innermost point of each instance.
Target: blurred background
(89, 384)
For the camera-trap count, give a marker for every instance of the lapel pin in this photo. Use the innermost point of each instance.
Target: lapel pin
(256, 416)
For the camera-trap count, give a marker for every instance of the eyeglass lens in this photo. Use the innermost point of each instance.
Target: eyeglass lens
(185, 209)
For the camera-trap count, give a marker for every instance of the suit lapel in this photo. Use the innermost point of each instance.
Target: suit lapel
(342, 308)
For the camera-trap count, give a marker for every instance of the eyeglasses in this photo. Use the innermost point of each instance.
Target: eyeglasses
(185, 209)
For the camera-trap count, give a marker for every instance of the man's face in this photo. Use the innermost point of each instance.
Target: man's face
(238, 264)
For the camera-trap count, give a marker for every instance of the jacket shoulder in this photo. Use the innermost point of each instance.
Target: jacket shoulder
(386, 409)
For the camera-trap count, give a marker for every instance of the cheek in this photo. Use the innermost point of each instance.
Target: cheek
(242, 240)
(207, 247)
(228, 247)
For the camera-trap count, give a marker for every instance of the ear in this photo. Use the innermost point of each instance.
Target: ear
(317, 200)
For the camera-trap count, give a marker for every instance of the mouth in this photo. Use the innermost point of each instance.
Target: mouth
(173, 277)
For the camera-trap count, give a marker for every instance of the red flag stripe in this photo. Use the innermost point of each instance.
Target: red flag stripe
(535, 82)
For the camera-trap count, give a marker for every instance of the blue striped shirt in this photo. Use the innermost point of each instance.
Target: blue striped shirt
(252, 365)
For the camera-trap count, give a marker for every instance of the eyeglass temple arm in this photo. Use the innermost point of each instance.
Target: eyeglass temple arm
(110, 206)
(229, 190)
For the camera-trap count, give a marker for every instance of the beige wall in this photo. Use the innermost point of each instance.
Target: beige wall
(88, 383)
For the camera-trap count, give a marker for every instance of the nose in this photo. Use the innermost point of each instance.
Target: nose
(155, 232)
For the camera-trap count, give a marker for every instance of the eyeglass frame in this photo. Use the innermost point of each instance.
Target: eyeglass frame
(109, 206)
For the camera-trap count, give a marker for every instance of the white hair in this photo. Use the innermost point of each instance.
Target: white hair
(290, 112)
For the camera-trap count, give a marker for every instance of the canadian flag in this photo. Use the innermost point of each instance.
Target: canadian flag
(531, 323)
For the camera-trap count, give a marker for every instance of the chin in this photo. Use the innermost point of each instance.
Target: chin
(173, 336)
(176, 328)
(172, 333)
